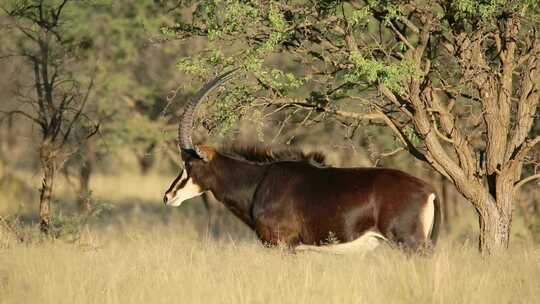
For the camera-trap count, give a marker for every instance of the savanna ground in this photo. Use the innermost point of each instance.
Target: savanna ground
(138, 251)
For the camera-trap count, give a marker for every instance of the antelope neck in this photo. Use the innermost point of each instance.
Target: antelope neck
(234, 184)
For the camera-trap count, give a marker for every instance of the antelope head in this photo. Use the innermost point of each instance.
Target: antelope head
(189, 182)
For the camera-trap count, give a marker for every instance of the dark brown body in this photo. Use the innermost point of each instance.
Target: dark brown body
(295, 202)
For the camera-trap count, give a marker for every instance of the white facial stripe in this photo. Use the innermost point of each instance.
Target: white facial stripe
(190, 190)
(183, 177)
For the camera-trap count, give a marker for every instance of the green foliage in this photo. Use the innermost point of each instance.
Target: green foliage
(257, 31)
(193, 65)
(485, 10)
(281, 81)
(119, 35)
(227, 111)
(134, 132)
(123, 26)
(265, 29)
(491, 10)
(373, 71)
(360, 17)
(277, 19)
(237, 17)
(411, 135)
(390, 8)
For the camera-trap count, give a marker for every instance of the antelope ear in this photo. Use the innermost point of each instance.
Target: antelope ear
(206, 153)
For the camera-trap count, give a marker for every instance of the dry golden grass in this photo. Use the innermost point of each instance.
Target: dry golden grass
(141, 252)
(165, 264)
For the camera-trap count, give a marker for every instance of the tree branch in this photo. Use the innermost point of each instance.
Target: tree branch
(387, 154)
(81, 109)
(380, 115)
(523, 150)
(307, 105)
(459, 141)
(398, 132)
(401, 36)
(56, 15)
(528, 100)
(23, 114)
(409, 24)
(526, 180)
(392, 97)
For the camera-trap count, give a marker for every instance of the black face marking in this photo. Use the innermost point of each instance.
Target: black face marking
(173, 184)
(182, 184)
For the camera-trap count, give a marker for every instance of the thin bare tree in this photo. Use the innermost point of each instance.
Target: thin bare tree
(54, 99)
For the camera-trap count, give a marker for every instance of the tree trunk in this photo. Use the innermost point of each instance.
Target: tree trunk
(147, 159)
(2, 149)
(7, 146)
(85, 173)
(495, 223)
(445, 195)
(48, 166)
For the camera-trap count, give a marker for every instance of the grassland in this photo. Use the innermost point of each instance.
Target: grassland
(141, 252)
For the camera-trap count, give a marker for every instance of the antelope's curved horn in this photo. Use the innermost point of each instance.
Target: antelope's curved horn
(185, 127)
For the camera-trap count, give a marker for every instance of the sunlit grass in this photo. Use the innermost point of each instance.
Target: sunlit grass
(138, 251)
(172, 263)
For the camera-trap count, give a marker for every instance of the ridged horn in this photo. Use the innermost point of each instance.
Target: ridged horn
(185, 127)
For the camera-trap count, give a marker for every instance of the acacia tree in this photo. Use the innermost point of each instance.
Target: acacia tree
(457, 82)
(54, 99)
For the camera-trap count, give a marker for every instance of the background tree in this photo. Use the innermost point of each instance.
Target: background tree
(457, 82)
(56, 97)
(131, 77)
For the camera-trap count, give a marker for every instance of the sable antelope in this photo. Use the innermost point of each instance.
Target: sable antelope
(291, 198)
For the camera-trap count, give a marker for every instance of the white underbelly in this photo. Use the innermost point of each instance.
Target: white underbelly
(365, 243)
